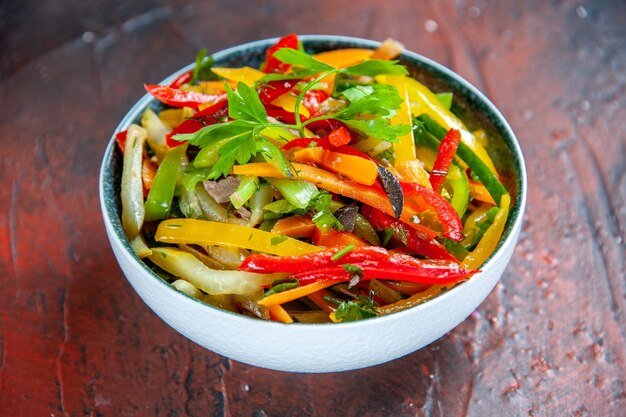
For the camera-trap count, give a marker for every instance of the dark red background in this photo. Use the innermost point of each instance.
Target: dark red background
(74, 338)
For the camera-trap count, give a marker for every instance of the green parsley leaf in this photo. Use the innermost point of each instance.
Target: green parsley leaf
(374, 67)
(245, 104)
(363, 308)
(324, 218)
(240, 149)
(211, 134)
(379, 128)
(378, 100)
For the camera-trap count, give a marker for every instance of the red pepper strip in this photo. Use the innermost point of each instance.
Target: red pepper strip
(264, 263)
(120, 138)
(313, 99)
(327, 124)
(274, 65)
(273, 89)
(177, 98)
(445, 155)
(425, 276)
(206, 117)
(281, 114)
(339, 137)
(183, 78)
(413, 239)
(428, 199)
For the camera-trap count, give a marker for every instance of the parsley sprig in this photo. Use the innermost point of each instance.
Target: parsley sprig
(368, 110)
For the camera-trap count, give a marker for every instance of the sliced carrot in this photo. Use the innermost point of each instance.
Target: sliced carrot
(295, 226)
(278, 313)
(389, 49)
(148, 171)
(339, 137)
(413, 171)
(363, 171)
(295, 293)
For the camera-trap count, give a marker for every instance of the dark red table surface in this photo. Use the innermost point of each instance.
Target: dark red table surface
(75, 340)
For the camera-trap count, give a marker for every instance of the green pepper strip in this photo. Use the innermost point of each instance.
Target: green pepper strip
(159, 199)
(478, 167)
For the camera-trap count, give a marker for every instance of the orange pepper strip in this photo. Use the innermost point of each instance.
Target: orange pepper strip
(295, 226)
(329, 181)
(334, 239)
(356, 168)
(479, 192)
(278, 313)
(295, 293)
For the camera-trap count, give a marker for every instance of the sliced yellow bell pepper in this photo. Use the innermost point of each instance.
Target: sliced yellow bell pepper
(341, 58)
(424, 101)
(204, 232)
(174, 117)
(405, 147)
(490, 239)
(288, 102)
(246, 75)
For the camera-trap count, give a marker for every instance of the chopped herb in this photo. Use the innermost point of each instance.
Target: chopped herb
(202, 70)
(363, 308)
(278, 240)
(280, 286)
(356, 273)
(341, 253)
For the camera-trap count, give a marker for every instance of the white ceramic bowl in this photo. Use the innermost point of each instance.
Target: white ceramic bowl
(324, 347)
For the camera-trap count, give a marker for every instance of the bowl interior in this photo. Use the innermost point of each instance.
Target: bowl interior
(475, 109)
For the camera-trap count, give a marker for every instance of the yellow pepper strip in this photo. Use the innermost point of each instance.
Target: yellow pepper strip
(490, 239)
(174, 117)
(424, 101)
(205, 232)
(186, 266)
(298, 292)
(337, 185)
(278, 313)
(133, 211)
(288, 102)
(246, 75)
(354, 167)
(405, 147)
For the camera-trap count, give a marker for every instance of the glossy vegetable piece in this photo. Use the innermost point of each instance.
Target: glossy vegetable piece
(203, 232)
(159, 200)
(186, 266)
(294, 226)
(425, 101)
(413, 240)
(178, 98)
(295, 293)
(246, 75)
(490, 239)
(133, 211)
(271, 63)
(445, 156)
(360, 170)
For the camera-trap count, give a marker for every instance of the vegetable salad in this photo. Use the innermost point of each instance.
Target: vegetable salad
(317, 188)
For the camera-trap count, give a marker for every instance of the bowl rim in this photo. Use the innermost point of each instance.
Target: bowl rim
(514, 222)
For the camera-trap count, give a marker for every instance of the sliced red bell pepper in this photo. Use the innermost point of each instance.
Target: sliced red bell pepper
(273, 89)
(280, 114)
(274, 65)
(183, 78)
(339, 137)
(373, 262)
(313, 99)
(413, 239)
(427, 199)
(206, 117)
(177, 98)
(120, 138)
(371, 270)
(265, 263)
(445, 155)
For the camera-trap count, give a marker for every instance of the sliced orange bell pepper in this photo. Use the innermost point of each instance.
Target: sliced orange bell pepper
(278, 313)
(295, 226)
(363, 171)
(333, 239)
